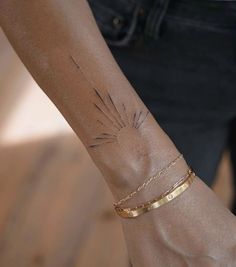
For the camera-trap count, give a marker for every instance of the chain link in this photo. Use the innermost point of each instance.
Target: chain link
(149, 180)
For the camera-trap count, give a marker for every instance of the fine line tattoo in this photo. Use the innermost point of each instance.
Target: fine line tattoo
(113, 118)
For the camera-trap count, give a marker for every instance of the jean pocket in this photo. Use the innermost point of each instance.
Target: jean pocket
(117, 20)
(212, 15)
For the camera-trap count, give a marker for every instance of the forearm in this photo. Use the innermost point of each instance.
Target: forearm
(62, 47)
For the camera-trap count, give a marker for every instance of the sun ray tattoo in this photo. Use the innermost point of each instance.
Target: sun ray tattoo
(112, 117)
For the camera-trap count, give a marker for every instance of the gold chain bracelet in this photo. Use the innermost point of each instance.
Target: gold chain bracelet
(149, 180)
(178, 188)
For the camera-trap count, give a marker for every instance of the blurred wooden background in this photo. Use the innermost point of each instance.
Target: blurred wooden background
(55, 209)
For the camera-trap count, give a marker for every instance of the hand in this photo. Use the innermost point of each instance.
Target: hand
(195, 230)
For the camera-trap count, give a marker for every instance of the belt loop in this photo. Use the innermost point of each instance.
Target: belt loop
(154, 8)
(157, 12)
(165, 4)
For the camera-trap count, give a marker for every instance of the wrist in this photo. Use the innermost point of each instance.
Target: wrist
(153, 186)
(134, 158)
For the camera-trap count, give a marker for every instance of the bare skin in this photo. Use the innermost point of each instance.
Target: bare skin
(60, 44)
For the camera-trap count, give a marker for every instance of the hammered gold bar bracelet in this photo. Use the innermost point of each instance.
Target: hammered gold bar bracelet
(164, 198)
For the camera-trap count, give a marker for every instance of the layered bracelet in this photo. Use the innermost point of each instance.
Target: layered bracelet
(155, 203)
(171, 193)
(149, 180)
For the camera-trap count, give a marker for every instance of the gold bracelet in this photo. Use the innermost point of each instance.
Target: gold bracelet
(174, 191)
(149, 180)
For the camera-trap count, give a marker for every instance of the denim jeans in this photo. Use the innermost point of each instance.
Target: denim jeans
(180, 56)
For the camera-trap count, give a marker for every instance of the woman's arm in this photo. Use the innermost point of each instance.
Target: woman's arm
(64, 51)
(61, 46)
